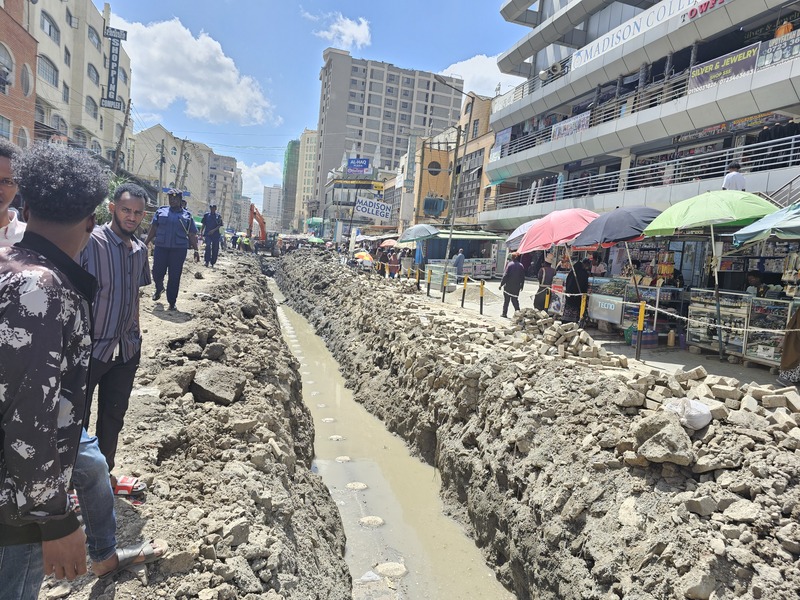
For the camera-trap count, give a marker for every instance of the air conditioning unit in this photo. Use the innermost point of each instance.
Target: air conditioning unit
(555, 69)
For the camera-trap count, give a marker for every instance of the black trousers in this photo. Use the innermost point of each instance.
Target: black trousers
(114, 382)
(212, 250)
(509, 298)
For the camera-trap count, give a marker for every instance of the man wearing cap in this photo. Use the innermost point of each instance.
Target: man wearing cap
(211, 230)
(174, 231)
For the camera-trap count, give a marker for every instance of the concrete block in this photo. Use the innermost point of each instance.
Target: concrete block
(726, 391)
(773, 401)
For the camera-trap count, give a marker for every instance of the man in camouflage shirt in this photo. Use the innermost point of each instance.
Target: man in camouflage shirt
(45, 347)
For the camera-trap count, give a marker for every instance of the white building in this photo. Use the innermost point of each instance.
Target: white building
(372, 107)
(272, 207)
(643, 103)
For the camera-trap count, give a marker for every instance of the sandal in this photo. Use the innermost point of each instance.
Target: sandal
(141, 554)
(127, 485)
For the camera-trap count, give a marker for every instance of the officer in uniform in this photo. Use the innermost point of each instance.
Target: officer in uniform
(174, 231)
(211, 230)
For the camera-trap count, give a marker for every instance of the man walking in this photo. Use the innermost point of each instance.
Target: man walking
(211, 230)
(458, 262)
(174, 231)
(45, 347)
(733, 180)
(513, 281)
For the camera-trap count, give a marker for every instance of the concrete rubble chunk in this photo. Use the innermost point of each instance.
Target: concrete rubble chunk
(218, 383)
(702, 505)
(742, 511)
(661, 438)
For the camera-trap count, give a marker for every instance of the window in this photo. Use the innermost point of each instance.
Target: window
(174, 151)
(5, 128)
(47, 71)
(475, 128)
(92, 73)
(173, 169)
(26, 80)
(65, 93)
(80, 139)
(96, 147)
(67, 56)
(59, 124)
(38, 113)
(6, 69)
(91, 107)
(94, 38)
(123, 75)
(118, 131)
(22, 138)
(101, 122)
(50, 28)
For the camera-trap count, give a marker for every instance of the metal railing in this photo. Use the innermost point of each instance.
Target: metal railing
(530, 86)
(696, 166)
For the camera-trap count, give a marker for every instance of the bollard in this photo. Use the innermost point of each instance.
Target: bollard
(464, 291)
(640, 330)
(444, 284)
(583, 306)
(547, 299)
(417, 278)
(482, 282)
(429, 283)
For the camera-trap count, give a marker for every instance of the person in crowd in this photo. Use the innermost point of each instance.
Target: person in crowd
(235, 241)
(513, 281)
(789, 373)
(564, 265)
(545, 277)
(755, 287)
(174, 232)
(733, 179)
(458, 262)
(11, 228)
(211, 230)
(45, 347)
(599, 268)
(394, 264)
(576, 285)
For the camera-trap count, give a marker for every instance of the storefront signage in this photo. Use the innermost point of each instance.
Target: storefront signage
(500, 139)
(641, 23)
(725, 68)
(768, 29)
(116, 36)
(571, 126)
(779, 50)
(605, 308)
(700, 9)
(374, 209)
(700, 134)
(358, 166)
(361, 184)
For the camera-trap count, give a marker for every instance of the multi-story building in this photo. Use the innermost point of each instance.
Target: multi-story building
(305, 177)
(17, 82)
(167, 161)
(372, 107)
(272, 207)
(291, 162)
(221, 184)
(643, 103)
(76, 62)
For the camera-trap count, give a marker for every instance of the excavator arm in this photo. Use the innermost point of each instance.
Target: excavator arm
(255, 215)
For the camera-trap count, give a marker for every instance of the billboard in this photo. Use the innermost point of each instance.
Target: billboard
(358, 166)
(374, 209)
(725, 68)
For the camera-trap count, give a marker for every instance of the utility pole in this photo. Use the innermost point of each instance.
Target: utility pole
(161, 161)
(121, 137)
(180, 160)
(188, 159)
(451, 209)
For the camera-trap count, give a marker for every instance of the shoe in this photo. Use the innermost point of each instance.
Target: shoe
(206, 265)
(157, 295)
(173, 307)
(504, 316)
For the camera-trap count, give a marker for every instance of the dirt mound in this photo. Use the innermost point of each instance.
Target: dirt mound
(572, 477)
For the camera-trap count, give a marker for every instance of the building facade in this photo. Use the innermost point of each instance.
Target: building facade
(272, 207)
(370, 108)
(17, 80)
(221, 184)
(642, 103)
(305, 178)
(291, 163)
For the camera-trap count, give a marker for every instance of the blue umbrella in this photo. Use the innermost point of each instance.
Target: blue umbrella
(784, 224)
(624, 224)
(418, 232)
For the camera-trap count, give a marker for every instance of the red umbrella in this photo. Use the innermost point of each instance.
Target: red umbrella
(390, 243)
(556, 229)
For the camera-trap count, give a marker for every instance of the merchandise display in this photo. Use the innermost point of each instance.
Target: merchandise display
(703, 331)
(765, 313)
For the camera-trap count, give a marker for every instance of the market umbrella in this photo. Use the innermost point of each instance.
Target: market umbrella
(555, 229)
(315, 240)
(720, 207)
(784, 224)
(513, 241)
(418, 232)
(362, 256)
(624, 224)
(390, 243)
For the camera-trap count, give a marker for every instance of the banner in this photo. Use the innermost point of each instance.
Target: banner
(571, 126)
(358, 166)
(605, 308)
(725, 68)
(779, 50)
(373, 209)
(116, 36)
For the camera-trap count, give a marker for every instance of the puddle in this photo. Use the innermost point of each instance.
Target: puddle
(373, 479)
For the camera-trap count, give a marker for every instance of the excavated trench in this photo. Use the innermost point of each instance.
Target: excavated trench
(558, 459)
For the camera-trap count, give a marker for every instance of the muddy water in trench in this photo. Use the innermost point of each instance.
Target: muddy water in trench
(353, 447)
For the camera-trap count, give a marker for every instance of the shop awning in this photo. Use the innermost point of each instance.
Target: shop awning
(478, 236)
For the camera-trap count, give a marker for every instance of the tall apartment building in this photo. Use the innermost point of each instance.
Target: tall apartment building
(372, 107)
(272, 207)
(17, 82)
(222, 184)
(74, 58)
(643, 103)
(291, 161)
(305, 177)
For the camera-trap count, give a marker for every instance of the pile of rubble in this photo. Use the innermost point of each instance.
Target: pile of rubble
(565, 465)
(218, 429)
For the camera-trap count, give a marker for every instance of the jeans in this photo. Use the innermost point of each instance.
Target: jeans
(513, 299)
(115, 381)
(212, 250)
(93, 486)
(21, 571)
(168, 260)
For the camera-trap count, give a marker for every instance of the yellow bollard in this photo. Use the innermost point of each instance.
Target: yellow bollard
(547, 299)
(482, 282)
(640, 323)
(583, 305)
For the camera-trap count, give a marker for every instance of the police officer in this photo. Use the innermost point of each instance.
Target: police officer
(174, 231)
(211, 230)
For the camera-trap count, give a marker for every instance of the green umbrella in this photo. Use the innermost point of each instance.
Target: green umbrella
(315, 240)
(720, 207)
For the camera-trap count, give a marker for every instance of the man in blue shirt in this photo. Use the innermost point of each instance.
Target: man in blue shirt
(174, 231)
(211, 230)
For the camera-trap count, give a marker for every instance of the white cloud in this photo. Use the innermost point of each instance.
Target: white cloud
(255, 177)
(307, 15)
(344, 33)
(170, 65)
(481, 75)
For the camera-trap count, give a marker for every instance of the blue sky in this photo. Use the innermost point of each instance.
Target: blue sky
(242, 76)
